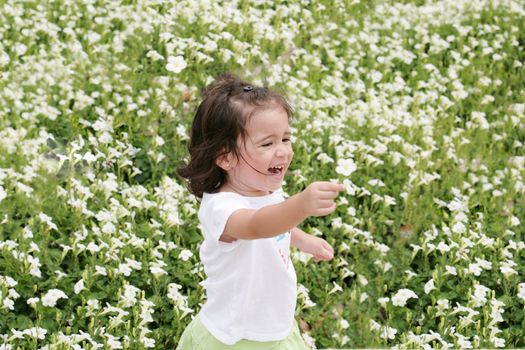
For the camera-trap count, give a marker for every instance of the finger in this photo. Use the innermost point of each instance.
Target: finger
(319, 257)
(326, 211)
(328, 194)
(333, 186)
(326, 203)
(325, 256)
(328, 254)
(328, 247)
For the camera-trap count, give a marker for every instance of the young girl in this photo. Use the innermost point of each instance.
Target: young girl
(240, 149)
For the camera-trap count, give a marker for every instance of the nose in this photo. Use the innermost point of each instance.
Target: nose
(283, 150)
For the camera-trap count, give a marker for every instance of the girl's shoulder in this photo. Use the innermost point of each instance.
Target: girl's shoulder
(227, 196)
(220, 198)
(207, 196)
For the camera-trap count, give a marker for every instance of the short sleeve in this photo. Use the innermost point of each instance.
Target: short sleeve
(215, 211)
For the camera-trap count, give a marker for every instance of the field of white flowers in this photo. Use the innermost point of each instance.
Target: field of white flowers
(417, 106)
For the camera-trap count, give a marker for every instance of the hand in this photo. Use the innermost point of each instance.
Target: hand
(318, 198)
(318, 247)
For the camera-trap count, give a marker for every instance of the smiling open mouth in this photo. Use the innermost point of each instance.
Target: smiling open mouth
(276, 169)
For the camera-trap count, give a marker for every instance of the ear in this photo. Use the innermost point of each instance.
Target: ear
(225, 161)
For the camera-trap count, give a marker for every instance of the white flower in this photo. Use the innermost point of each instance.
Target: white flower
(376, 182)
(134, 264)
(521, 291)
(484, 264)
(374, 325)
(383, 301)
(20, 49)
(79, 286)
(47, 220)
(506, 268)
(158, 141)
(93, 304)
(473, 269)
(4, 60)
(89, 157)
(345, 167)
(496, 311)
(443, 247)
(113, 342)
(459, 227)
(176, 64)
(429, 286)
(325, 158)
(362, 280)
(402, 296)
(13, 294)
(16, 335)
(451, 270)
(457, 205)
(410, 274)
(345, 339)
(36, 332)
(52, 296)
(124, 269)
(173, 291)
(337, 288)
(388, 332)
(514, 221)
(181, 132)
(442, 305)
(129, 296)
(35, 264)
(9, 281)
(389, 200)
(376, 76)
(344, 324)
(100, 270)
(156, 268)
(32, 301)
(148, 342)
(185, 255)
(463, 342)
(3, 193)
(303, 292)
(103, 124)
(8, 304)
(105, 137)
(93, 248)
(309, 340)
(479, 295)
(108, 228)
(498, 342)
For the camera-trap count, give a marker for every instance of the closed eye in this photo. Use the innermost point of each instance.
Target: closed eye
(267, 144)
(287, 140)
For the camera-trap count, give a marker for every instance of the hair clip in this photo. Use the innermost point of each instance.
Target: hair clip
(248, 88)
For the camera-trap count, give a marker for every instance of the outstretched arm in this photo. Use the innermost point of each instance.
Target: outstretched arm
(316, 200)
(318, 247)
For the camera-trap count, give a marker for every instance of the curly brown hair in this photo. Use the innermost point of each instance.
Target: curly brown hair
(221, 118)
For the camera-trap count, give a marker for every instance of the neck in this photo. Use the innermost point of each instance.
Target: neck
(229, 187)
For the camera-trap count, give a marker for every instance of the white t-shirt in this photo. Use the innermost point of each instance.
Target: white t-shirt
(251, 286)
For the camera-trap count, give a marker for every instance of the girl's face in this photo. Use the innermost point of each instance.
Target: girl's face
(265, 154)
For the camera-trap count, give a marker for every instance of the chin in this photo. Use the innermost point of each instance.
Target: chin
(275, 187)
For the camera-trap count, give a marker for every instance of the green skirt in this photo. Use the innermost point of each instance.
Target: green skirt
(197, 337)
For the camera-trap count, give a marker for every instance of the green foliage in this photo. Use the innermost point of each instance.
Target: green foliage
(425, 98)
